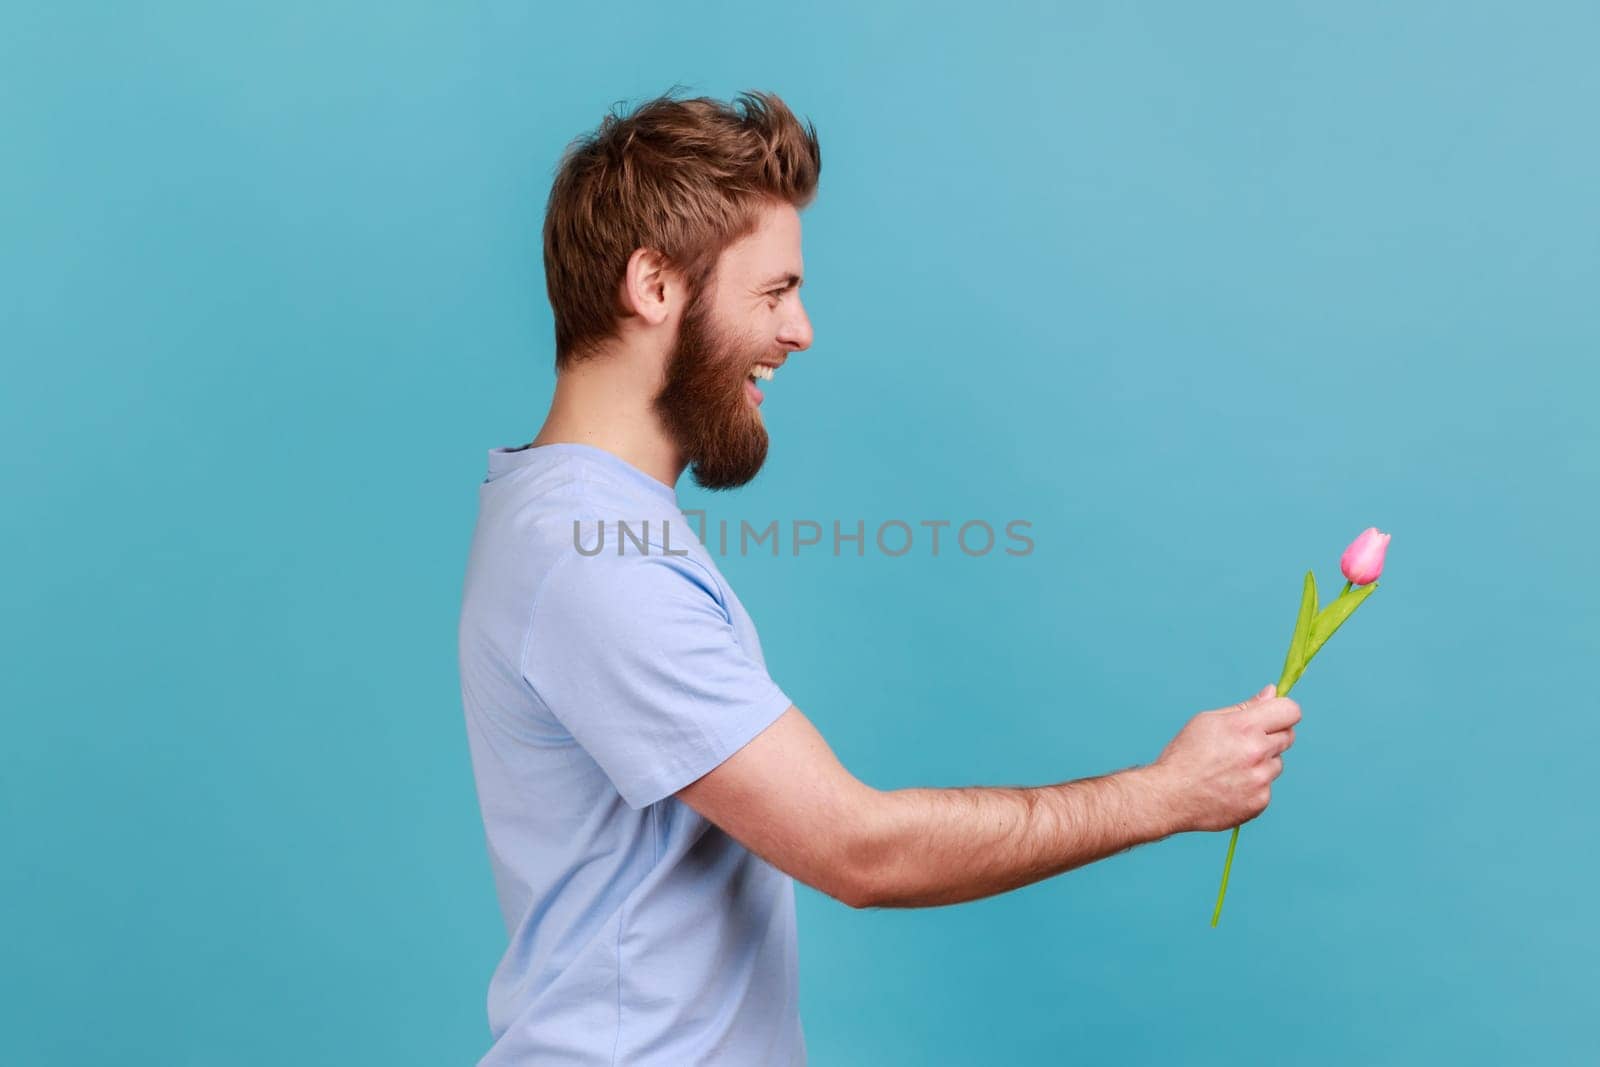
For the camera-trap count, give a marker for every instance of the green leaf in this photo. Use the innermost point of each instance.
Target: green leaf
(1295, 661)
(1333, 616)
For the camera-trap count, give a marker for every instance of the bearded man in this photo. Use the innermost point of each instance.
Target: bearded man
(648, 792)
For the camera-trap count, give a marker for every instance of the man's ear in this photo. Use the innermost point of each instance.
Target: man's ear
(650, 286)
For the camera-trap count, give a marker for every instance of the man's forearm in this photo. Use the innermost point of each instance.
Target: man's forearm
(926, 847)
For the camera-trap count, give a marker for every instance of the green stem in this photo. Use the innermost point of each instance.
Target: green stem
(1291, 674)
(1285, 683)
(1226, 867)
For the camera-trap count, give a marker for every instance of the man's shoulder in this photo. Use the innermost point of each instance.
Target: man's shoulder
(553, 508)
(629, 562)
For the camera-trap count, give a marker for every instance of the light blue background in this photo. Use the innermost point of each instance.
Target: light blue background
(1198, 292)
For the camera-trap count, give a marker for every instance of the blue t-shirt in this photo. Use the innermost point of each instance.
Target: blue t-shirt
(605, 664)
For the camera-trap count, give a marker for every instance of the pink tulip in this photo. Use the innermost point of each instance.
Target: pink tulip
(1362, 562)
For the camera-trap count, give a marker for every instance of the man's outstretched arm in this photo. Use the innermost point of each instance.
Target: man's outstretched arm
(786, 797)
(927, 847)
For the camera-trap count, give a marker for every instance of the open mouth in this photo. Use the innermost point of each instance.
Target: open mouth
(760, 372)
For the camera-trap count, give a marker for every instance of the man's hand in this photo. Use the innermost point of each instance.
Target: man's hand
(1218, 771)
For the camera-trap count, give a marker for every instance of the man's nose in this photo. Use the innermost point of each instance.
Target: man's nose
(796, 331)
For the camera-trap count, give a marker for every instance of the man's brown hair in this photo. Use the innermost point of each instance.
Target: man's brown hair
(683, 177)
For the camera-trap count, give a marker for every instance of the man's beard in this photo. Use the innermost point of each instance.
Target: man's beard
(704, 405)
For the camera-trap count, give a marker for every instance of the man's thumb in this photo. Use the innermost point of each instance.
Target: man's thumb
(1269, 691)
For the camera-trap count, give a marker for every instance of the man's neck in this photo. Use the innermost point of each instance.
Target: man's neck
(598, 406)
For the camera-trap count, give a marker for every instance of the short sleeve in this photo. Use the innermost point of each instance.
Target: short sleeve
(638, 659)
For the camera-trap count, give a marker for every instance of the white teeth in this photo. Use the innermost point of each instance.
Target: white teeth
(763, 372)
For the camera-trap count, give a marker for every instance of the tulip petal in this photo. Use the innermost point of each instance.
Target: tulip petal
(1333, 616)
(1362, 562)
(1295, 662)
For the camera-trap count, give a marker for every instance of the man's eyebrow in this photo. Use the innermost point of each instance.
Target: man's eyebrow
(788, 279)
